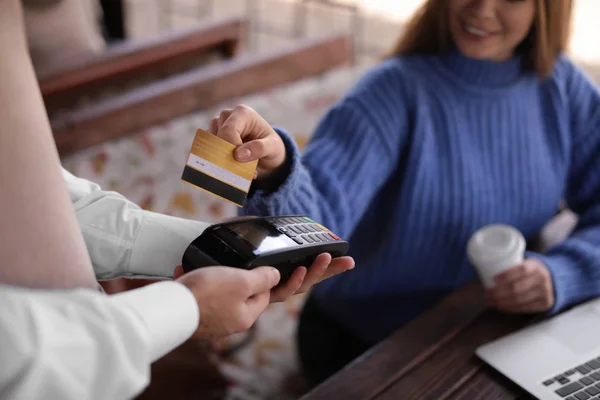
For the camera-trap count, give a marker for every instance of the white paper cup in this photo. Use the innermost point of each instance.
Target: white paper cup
(494, 249)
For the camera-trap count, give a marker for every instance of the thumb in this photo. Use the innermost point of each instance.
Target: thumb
(256, 305)
(263, 279)
(253, 150)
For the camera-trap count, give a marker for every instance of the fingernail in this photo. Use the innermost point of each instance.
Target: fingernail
(243, 154)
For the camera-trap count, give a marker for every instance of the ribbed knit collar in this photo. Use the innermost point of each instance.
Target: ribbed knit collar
(482, 72)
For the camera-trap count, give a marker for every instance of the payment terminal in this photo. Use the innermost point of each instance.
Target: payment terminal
(284, 242)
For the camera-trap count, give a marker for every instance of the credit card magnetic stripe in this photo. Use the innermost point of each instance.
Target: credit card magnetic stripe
(214, 185)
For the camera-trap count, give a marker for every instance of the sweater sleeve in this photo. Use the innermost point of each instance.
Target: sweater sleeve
(575, 263)
(353, 151)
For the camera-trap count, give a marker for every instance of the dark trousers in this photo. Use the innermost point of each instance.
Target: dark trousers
(324, 347)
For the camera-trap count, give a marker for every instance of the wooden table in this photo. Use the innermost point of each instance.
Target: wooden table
(432, 358)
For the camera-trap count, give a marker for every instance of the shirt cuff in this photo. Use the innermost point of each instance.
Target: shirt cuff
(160, 244)
(169, 311)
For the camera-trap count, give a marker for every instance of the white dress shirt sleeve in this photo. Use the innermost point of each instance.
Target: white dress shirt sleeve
(124, 240)
(82, 344)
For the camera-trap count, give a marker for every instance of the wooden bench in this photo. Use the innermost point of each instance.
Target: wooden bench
(196, 89)
(63, 85)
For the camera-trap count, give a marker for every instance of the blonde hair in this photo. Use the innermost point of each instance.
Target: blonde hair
(428, 33)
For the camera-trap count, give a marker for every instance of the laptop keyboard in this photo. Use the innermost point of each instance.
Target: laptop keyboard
(579, 383)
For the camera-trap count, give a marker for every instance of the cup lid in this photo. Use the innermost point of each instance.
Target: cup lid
(494, 243)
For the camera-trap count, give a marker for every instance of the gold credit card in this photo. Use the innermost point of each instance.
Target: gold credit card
(211, 167)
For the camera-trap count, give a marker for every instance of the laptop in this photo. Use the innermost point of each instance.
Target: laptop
(557, 358)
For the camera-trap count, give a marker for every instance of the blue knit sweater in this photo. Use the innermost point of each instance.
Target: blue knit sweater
(423, 151)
